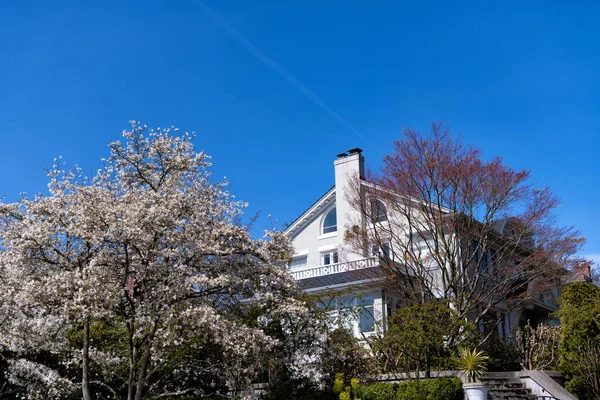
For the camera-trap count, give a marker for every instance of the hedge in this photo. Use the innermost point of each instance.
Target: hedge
(426, 389)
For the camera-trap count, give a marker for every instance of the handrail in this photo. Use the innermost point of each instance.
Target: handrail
(322, 270)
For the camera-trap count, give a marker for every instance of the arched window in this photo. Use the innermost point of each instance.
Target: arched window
(378, 211)
(330, 222)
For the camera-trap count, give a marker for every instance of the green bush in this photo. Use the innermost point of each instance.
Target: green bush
(579, 348)
(378, 391)
(427, 389)
(421, 337)
(502, 355)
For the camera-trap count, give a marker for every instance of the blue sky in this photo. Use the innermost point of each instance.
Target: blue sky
(518, 80)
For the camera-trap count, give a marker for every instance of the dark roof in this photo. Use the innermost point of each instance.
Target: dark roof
(373, 273)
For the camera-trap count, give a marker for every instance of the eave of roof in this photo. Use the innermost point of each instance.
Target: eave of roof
(307, 216)
(326, 281)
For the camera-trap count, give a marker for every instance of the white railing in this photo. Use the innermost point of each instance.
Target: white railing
(322, 270)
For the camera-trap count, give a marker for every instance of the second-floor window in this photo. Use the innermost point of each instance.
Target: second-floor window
(298, 262)
(378, 211)
(329, 257)
(382, 250)
(330, 222)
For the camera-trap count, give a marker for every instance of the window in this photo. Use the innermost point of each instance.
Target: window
(330, 257)
(330, 222)
(493, 258)
(389, 308)
(475, 250)
(366, 321)
(299, 262)
(350, 312)
(382, 250)
(378, 211)
(484, 264)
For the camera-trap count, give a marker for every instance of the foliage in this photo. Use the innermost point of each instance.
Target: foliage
(338, 383)
(297, 365)
(461, 226)
(346, 355)
(130, 283)
(378, 391)
(428, 389)
(538, 348)
(336, 357)
(346, 392)
(579, 348)
(503, 356)
(420, 337)
(285, 387)
(473, 363)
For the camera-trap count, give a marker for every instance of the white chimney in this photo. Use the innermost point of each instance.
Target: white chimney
(348, 167)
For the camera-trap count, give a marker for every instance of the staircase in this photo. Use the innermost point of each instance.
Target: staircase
(506, 389)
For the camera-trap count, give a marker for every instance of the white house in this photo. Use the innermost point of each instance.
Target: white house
(324, 262)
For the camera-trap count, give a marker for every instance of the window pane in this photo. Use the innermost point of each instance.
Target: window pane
(378, 212)
(299, 262)
(367, 322)
(326, 259)
(334, 257)
(366, 301)
(475, 250)
(330, 223)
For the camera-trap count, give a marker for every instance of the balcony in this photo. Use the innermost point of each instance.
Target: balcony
(323, 270)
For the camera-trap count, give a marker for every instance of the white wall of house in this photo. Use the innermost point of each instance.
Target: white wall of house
(310, 239)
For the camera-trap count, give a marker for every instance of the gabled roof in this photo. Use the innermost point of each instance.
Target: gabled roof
(307, 216)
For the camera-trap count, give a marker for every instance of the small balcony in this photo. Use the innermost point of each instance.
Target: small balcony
(323, 270)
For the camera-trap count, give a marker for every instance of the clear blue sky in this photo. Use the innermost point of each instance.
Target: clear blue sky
(518, 79)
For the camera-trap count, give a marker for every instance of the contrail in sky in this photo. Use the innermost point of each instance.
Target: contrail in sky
(259, 55)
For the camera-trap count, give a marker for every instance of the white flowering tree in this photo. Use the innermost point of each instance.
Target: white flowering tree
(137, 283)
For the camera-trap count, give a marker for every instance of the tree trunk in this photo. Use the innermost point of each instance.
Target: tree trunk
(132, 362)
(85, 381)
(145, 362)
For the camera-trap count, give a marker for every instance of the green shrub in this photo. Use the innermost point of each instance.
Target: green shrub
(421, 337)
(378, 391)
(502, 355)
(431, 389)
(427, 389)
(579, 348)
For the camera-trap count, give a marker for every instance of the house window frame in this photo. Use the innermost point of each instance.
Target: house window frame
(332, 255)
(322, 227)
(356, 313)
(297, 258)
(379, 218)
(382, 249)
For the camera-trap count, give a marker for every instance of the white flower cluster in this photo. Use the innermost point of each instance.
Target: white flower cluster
(146, 256)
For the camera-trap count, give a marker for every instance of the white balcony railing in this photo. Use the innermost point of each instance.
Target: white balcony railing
(322, 270)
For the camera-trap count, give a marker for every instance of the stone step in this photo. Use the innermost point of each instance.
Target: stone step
(503, 384)
(501, 388)
(512, 392)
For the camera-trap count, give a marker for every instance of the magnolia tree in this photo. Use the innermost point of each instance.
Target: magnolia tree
(452, 225)
(137, 283)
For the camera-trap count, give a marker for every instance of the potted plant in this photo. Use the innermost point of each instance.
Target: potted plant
(473, 364)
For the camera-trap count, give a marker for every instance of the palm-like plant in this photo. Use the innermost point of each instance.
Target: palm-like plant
(473, 363)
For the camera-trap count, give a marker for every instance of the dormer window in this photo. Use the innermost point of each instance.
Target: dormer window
(378, 211)
(330, 222)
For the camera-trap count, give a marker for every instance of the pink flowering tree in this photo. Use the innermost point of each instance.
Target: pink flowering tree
(137, 283)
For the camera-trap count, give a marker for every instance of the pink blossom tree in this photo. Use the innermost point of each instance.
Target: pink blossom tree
(451, 224)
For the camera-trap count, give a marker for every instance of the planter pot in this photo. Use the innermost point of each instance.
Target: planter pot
(475, 391)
